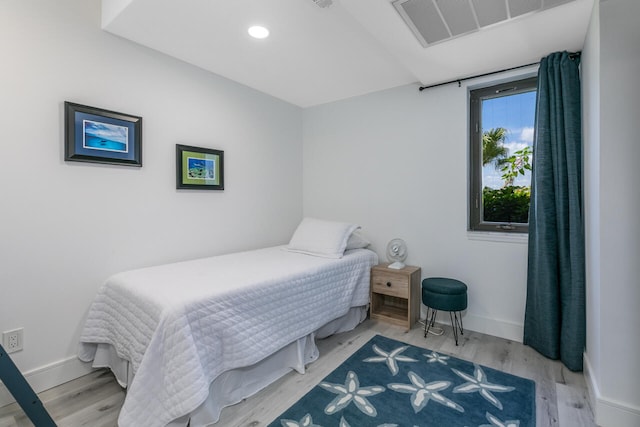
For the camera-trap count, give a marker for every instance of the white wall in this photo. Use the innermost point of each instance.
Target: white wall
(590, 79)
(65, 227)
(396, 163)
(612, 154)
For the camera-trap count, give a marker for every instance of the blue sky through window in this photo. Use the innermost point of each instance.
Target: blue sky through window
(516, 113)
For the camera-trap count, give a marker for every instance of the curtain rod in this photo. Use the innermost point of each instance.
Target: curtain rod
(572, 55)
(460, 80)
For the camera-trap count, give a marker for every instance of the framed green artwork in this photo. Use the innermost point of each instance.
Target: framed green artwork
(199, 168)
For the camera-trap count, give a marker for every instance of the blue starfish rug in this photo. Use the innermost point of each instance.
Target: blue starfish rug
(388, 383)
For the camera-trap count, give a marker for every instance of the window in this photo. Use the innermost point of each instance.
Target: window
(501, 127)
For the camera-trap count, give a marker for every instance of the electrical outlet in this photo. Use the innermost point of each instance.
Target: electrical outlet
(12, 340)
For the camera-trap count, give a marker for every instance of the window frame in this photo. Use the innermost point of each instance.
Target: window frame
(511, 87)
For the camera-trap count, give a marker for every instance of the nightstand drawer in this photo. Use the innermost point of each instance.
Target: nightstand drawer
(389, 284)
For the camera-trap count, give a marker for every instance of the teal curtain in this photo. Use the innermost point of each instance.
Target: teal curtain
(555, 322)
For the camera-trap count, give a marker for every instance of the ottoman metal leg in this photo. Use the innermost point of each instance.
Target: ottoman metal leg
(459, 319)
(453, 325)
(429, 323)
(456, 324)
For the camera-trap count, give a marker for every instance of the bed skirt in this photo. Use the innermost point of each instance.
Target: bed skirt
(233, 386)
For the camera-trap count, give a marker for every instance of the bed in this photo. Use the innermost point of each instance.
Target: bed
(189, 338)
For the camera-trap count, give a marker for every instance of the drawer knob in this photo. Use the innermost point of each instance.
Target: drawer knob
(389, 284)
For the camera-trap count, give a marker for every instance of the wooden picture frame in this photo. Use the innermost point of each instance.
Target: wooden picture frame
(102, 136)
(199, 168)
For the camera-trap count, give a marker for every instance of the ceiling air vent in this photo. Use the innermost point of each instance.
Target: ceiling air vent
(323, 3)
(434, 21)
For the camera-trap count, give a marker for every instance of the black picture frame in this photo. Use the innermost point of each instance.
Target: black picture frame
(96, 135)
(199, 168)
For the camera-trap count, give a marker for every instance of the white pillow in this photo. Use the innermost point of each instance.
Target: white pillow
(357, 241)
(321, 238)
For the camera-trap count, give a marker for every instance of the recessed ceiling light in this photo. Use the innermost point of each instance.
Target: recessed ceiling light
(258, 32)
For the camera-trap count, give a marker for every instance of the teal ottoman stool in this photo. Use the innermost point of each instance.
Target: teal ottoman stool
(441, 293)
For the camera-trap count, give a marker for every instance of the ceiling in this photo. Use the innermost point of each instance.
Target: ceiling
(316, 55)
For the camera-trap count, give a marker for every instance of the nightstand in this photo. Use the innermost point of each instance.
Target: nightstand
(395, 295)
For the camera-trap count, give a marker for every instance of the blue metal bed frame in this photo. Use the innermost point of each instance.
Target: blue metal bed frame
(22, 392)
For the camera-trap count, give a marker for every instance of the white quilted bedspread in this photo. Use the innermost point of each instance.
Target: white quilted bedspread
(181, 325)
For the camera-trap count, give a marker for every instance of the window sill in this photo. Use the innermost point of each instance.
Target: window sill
(496, 236)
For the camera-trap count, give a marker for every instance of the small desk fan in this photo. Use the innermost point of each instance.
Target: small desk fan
(396, 252)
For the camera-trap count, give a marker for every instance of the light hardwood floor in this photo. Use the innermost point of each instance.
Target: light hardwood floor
(561, 395)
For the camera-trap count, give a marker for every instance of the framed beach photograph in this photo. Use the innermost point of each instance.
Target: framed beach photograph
(102, 136)
(199, 168)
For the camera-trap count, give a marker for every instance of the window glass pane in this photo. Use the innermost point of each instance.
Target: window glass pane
(507, 124)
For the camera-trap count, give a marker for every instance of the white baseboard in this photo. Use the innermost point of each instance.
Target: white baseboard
(608, 412)
(592, 386)
(496, 327)
(46, 377)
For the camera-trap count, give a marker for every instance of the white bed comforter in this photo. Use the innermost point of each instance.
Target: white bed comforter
(181, 325)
